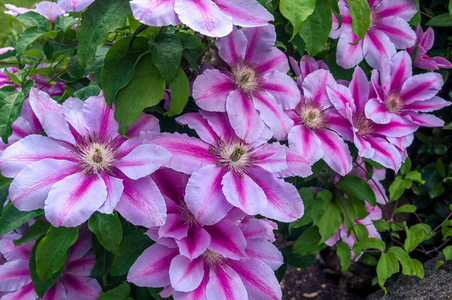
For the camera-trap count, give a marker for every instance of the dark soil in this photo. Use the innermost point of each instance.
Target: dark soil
(324, 280)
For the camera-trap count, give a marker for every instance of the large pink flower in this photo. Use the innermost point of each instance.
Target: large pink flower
(418, 52)
(232, 259)
(388, 30)
(253, 87)
(371, 139)
(83, 165)
(74, 281)
(74, 5)
(402, 95)
(209, 17)
(313, 135)
(226, 171)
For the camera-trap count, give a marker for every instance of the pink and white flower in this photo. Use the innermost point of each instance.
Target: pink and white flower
(47, 9)
(227, 171)
(74, 5)
(371, 139)
(209, 17)
(313, 135)
(232, 259)
(402, 95)
(389, 30)
(74, 281)
(418, 52)
(253, 88)
(83, 165)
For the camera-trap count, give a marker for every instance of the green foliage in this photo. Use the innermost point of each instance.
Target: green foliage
(360, 13)
(316, 28)
(12, 218)
(100, 18)
(121, 292)
(145, 89)
(356, 187)
(343, 251)
(119, 65)
(52, 250)
(36, 230)
(297, 11)
(180, 90)
(167, 55)
(108, 231)
(308, 242)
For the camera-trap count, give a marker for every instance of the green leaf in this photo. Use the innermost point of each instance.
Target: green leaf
(307, 195)
(406, 166)
(336, 12)
(404, 259)
(39, 228)
(167, 54)
(443, 20)
(446, 229)
(132, 246)
(146, 89)
(52, 249)
(370, 243)
(30, 35)
(398, 187)
(100, 18)
(120, 292)
(316, 28)
(308, 242)
(353, 185)
(438, 264)
(448, 252)
(65, 22)
(10, 108)
(180, 91)
(296, 260)
(40, 286)
(87, 91)
(360, 13)
(344, 253)
(407, 208)
(32, 18)
(119, 65)
(296, 11)
(415, 176)
(12, 218)
(414, 236)
(108, 231)
(387, 265)
(329, 221)
(440, 168)
(418, 268)
(450, 8)
(436, 191)
(96, 65)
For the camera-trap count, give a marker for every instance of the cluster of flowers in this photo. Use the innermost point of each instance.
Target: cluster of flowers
(198, 195)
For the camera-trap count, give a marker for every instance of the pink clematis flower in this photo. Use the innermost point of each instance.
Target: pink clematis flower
(226, 171)
(370, 138)
(313, 135)
(74, 281)
(83, 165)
(307, 66)
(253, 88)
(418, 52)
(209, 17)
(402, 95)
(232, 259)
(47, 9)
(74, 5)
(388, 30)
(374, 214)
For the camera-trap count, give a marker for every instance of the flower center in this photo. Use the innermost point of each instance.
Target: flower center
(394, 103)
(246, 78)
(96, 155)
(363, 124)
(234, 155)
(186, 216)
(213, 259)
(312, 116)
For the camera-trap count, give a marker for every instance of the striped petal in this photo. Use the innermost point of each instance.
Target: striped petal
(154, 12)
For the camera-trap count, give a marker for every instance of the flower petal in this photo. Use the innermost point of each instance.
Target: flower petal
(186, 275)
(151, 269)
(421, 87)
(73, 113)
(225, 284)
(231, 48)
(265, 251)
(154, 12)
(283, 88)
(377, 111)
(99, 118)
(114, 191)
(335, 152)
(14, 275)
(245, 13)
(305, 142)
(211, 89)
(244, 193)
(41, 102)
(349, 55)
(31, 186)
(142, 203)
(376, 44)
(195, 243)
(74, 199)
(198, 123)
(74, 5)
(204, 196)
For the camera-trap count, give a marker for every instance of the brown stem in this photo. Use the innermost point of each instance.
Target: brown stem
(48, 82)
